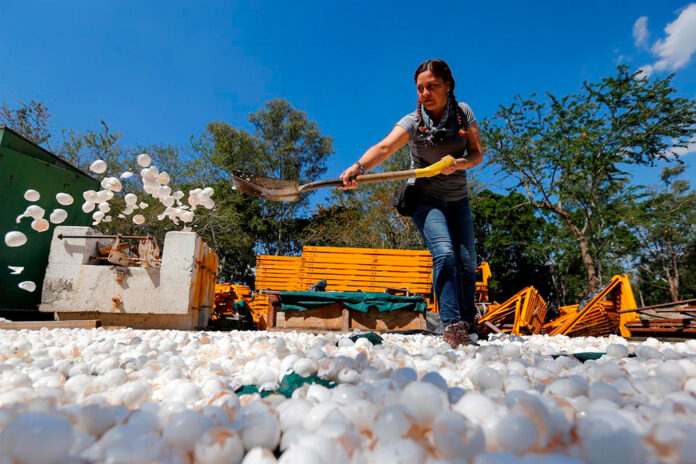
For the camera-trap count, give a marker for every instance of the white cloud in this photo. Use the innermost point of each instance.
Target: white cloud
(690, 148)
(640, 31)
(675, 50)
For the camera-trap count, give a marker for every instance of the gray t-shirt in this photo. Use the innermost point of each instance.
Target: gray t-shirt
(425, 151)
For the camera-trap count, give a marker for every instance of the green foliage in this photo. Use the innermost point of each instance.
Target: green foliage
(511, 237)
(364, 217)
(30, 120)
(284, 145)
(665, 223)
(567, 155)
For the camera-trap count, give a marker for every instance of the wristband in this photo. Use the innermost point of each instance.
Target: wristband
(361, 167)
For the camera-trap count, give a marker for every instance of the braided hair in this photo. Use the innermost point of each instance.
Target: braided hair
(440, 69)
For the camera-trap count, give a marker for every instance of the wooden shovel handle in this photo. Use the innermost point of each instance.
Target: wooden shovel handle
(432, 170)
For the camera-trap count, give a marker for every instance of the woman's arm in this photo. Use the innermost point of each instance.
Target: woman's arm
(376, 155)
(475, 152)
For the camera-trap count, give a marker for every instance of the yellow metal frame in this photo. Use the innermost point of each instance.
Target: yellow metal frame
(600, 316)
(525, 312)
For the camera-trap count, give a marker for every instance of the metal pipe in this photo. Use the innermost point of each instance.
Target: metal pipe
(128, 237)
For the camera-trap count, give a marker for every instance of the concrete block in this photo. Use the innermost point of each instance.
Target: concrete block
(183, 286)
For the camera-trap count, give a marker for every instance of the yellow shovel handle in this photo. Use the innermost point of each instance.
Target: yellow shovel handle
(435, 168)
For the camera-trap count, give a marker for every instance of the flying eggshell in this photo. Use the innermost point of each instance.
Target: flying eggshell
(64, 199)
(138, 219)
(88, 207)
(40, 225)
(27, 285)
(58, 216)
(32, 195)
(144, 160)
(15, 239)
(98, 167)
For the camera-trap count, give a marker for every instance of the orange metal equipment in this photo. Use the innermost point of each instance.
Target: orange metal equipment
(352, 269)
(522, 314)
(601, 315)
(482, 286)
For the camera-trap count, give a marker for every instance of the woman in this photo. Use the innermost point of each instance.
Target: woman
(439, 127)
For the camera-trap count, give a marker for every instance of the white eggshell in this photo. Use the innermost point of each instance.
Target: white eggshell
(185, 427)
(64, 199)
(38, 438)
(130, 199)
(27, 285)
(32, 195)
(219, 446)
(163, 178)
(15, 238)
(34, 211)
(425, 401)
(138, 219)
(456, 437)
(40, 225)
(98, 166)
(258, 455)
(58, 216)
(144, 160)
(126, 175)
(88, 207)
(14, 270)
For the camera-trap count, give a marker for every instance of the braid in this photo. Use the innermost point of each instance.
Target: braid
(419, 116)
(459, 112)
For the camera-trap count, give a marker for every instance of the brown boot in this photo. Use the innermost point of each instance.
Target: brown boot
(457, 334)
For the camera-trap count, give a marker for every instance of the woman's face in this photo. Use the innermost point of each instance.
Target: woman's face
(432, 91)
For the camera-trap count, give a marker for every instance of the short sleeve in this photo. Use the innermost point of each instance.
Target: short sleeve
(409, 124)
(469, 117)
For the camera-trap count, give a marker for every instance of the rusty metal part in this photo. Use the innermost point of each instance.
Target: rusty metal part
(124, 237)
(116, 256)
(149, 253)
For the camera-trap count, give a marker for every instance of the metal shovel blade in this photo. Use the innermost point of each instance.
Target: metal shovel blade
(266, 187)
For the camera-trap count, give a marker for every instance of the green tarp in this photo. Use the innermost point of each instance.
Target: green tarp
(288, 385)
(359, 301)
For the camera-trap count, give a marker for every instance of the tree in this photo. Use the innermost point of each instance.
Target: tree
(665, 224)
(30, 120)
(284, 145)
(365, 217)
(567, 154)
(511, 237)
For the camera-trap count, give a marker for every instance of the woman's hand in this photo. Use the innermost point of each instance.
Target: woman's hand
(454, 167)
(349, 176)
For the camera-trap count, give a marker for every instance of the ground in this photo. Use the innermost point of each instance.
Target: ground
(169, 396)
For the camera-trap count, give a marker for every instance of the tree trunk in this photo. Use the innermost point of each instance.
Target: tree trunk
(673, 276)
(593, 280)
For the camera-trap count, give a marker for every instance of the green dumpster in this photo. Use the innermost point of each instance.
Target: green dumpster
(25, 165)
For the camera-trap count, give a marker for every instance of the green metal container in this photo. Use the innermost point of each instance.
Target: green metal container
(25, 165)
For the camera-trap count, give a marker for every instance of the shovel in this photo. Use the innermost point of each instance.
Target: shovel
(289, 190)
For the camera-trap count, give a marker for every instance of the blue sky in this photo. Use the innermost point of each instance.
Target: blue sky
(158, 71)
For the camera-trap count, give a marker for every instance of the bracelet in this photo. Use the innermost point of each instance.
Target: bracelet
(361, 167)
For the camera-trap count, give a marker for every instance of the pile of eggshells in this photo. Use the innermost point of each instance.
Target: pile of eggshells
(154, 183)
(132, 396)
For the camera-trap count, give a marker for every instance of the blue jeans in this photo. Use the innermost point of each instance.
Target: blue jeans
(448, 231)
